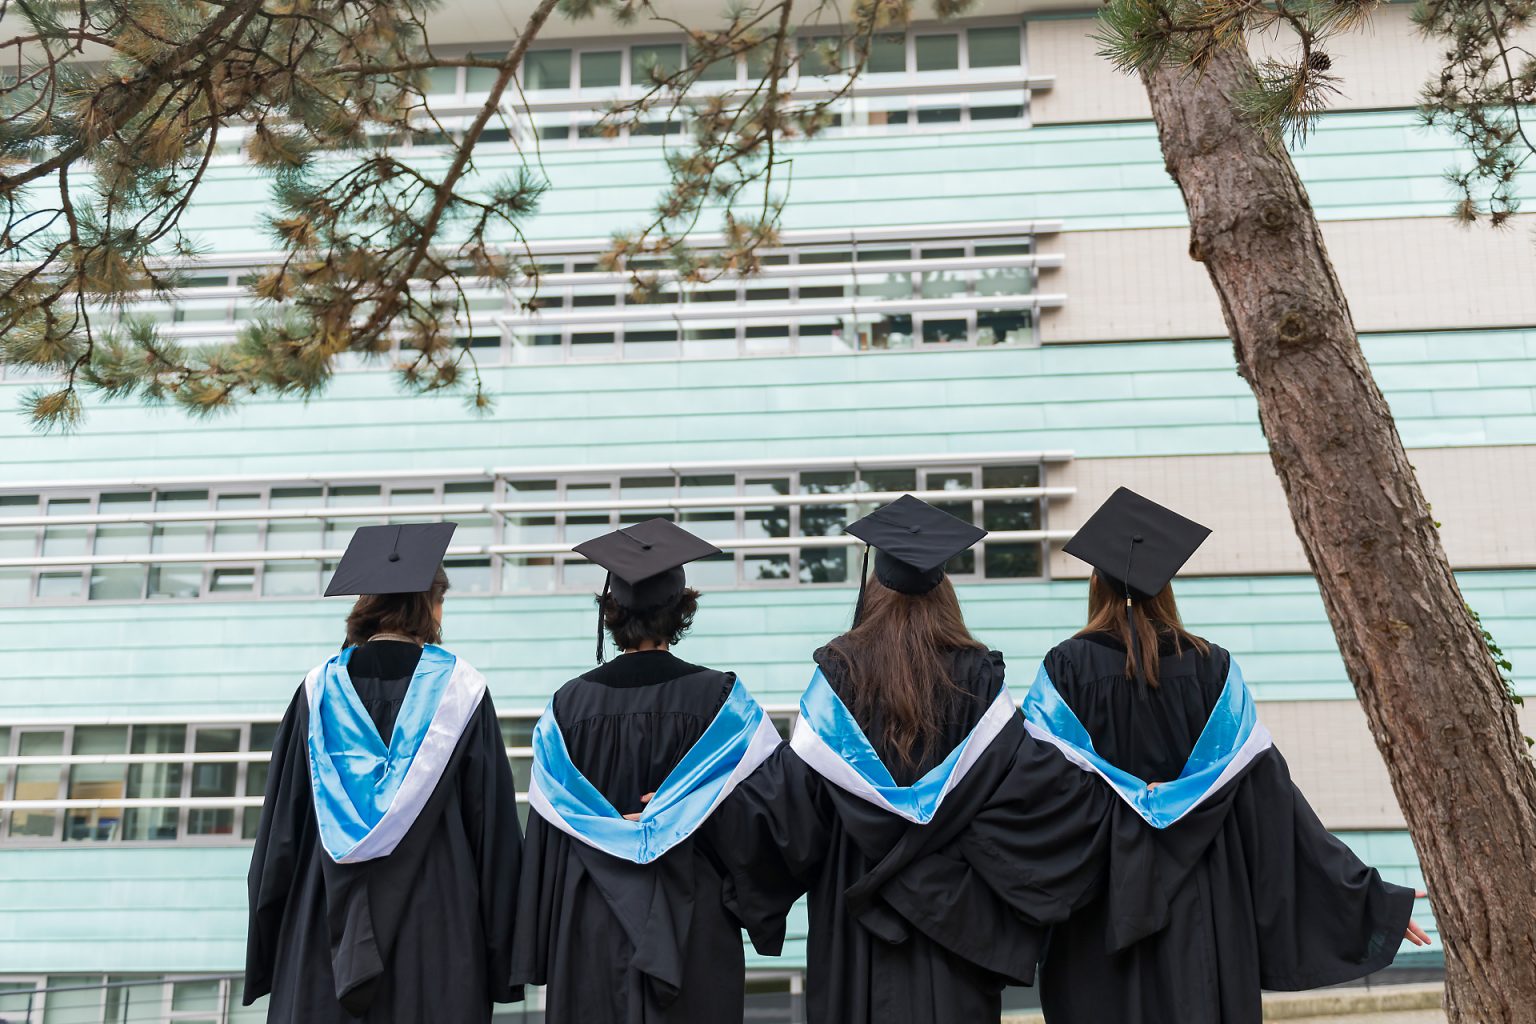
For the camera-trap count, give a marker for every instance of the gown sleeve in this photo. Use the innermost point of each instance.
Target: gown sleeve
(1323, 916)
(489, 797)
(770, 836)
(285, 816)
(1041, 840)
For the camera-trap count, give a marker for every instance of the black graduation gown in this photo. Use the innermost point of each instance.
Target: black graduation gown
(617, 942)
(1247, 892)
(421, 936)
(917, 923)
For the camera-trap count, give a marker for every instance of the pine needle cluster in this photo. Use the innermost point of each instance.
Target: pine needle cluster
(113, 111)
(1484, 96)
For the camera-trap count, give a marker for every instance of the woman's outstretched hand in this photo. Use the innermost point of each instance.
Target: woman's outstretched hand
(636, 816)
(1415, 933)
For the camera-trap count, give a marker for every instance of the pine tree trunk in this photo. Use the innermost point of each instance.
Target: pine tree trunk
(1436, 704)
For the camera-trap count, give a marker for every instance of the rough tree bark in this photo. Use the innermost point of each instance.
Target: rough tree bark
(1436, 704)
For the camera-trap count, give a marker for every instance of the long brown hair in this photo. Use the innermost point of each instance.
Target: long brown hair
(1157, 618)
(894, 660)
(408, 614)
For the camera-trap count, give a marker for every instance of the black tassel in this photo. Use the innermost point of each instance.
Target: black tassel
(858, 606)
(602, 605)
(1130, 611)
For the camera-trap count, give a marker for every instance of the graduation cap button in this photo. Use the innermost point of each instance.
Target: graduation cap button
(394, 556)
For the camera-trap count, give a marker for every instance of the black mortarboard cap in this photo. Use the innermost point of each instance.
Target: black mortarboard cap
(1134, 541)
(645, 564)
(398, 559)
(645, 561)
(912, 540)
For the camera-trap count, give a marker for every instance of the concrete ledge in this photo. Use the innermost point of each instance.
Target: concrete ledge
(1337, 1002)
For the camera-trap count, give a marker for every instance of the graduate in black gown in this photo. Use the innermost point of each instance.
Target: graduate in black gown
(919, 910)
(383, 881)
(621, 913)
(1244, 888)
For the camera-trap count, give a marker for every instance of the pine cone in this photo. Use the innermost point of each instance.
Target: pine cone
(1319, 61)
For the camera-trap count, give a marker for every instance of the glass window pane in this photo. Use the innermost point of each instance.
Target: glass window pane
(758, 59)
(517, 732)
(528, 574)
(1011, 112)
(546, 69)
(943, 332)
(469, 575)
(19, 541)
(180, 537)
(994, 47)
(17, 998)
(214, 780)
(37, 782)
(15, 585)
(442, 81)
(939, 115)
(640, 487)
(75, 999)
(149, 781)
(176, 581)
(820, 55)
(294, 534)
(65, 540)
(713, 570)
(1004, 327)
(54, 586)
(478, 80)
(721, 70)
(658, 60)
(97, 782)
(761, 567)
(888, 479)
(888, 53)
(195, 997)
(237, 579)
(472, 529)
(124, 538)
(824, 565)
(1010, 476)
(1012, 560)
(601, 70)
(237, 534)
(577, 574)
(937, 53)
(290, 579)
(5, 750)
(118, 582)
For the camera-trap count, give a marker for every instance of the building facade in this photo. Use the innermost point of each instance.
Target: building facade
(983, 296)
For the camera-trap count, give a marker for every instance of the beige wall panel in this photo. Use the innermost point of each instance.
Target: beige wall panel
(1481, 496)
(1129, 285)
(1087, 88)
(1383, 65)
(1335, 763)
(1405, 274)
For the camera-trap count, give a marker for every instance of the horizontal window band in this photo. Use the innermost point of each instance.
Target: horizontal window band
(345, 512)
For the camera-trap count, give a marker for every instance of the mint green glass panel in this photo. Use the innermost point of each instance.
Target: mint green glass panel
(937, 52)
(993, 47)
(661, 59)
(887, 53)
(478, 80)
(601, 69)
(547, 69)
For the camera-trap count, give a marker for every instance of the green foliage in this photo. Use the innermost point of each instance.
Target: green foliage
(1285, 95)
(1483, 96)
(376, 245)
